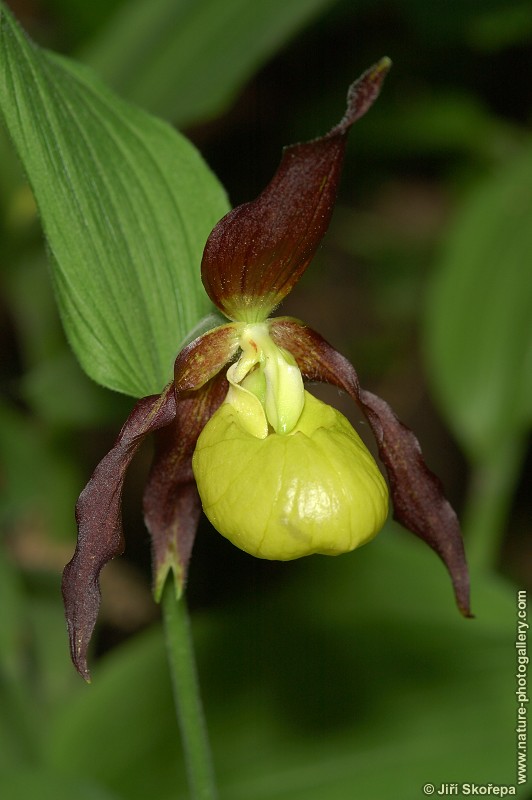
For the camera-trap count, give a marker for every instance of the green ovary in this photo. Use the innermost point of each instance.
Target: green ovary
(314, 490)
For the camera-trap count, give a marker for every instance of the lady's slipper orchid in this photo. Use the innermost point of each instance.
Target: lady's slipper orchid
(278, 472)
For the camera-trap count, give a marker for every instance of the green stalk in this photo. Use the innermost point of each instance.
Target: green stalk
(490, 495)
(187, 698)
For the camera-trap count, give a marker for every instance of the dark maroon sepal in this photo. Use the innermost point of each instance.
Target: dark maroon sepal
(99, 518)
(417, 494)
(171, 501)
(257, 252)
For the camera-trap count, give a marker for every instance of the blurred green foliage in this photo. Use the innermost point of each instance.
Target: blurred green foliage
(324, 678)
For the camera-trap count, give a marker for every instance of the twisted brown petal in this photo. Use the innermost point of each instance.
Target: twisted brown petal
(257, 252)
(171, 502)
(203, 358)
(419, 502)
(99, 518)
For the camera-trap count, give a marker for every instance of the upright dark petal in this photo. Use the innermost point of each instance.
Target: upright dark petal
(418, 499)
(257, 252)
(99, 518)
(171, 502)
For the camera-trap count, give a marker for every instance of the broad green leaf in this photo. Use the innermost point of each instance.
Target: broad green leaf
(126, 204)
(478, 324)
(186, 59)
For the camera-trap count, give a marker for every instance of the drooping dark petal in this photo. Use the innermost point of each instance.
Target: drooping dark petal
(99, 518)
(203, 358)
(418, 499)
(171, 502)
(257, 252)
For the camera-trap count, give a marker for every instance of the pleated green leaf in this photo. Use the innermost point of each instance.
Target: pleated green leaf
(479, 331)
(126, 204)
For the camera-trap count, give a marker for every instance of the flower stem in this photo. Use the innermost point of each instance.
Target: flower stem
(187, 696)
(490, 495)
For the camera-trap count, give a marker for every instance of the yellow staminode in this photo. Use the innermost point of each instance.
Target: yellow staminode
(316, 489)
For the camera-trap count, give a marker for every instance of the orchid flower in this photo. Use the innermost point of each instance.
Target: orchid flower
(277, 471)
